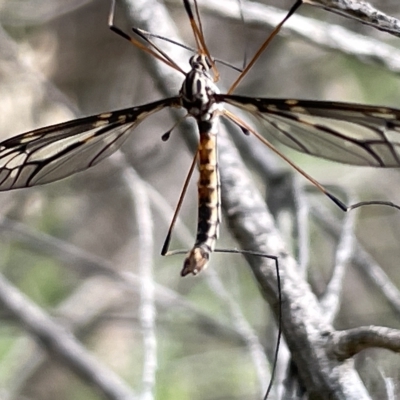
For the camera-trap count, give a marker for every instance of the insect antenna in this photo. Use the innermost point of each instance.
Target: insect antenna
(158, 54)
(276, 30)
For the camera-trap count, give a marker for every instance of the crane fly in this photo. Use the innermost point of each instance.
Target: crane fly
(344, 132)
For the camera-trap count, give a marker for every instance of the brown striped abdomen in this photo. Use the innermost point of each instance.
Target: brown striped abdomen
(209, 200)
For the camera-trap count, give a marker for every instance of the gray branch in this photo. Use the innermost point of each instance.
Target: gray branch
(304, 328)
(348, 343)
(361, 11)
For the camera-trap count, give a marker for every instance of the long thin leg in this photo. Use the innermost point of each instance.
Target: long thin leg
(165, 59)
(246, 129)
(279, 313)
(264, 45)
(164, 251)
(146, 38)
(198, 35)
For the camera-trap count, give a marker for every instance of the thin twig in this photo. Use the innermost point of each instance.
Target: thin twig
(252, 341)
(147, 310)
(61, 344)
(82, 309)
(370, 269)
(362, 11)
(331, 299)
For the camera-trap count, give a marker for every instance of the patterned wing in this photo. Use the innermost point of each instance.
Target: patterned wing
(48, 154)
(344, 132)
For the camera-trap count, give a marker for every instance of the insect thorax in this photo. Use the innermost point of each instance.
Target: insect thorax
(198, 90)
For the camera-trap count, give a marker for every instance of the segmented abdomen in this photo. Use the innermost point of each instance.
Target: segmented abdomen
(209, 199)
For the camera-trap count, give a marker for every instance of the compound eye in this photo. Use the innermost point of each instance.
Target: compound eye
(200, 60)
(193, 60)
(205, 62)
(208, 62)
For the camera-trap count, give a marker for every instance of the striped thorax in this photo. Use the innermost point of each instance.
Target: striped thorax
(198, 90)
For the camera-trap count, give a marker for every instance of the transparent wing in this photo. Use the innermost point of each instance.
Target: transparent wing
(48, 154)
(344, 132)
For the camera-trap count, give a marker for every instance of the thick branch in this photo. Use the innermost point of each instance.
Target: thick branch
(304, 326)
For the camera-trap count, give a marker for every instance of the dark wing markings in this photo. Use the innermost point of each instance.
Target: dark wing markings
(55, 152)
(344, 132)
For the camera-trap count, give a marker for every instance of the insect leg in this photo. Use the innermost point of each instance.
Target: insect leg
(160, 55)
(164, 251)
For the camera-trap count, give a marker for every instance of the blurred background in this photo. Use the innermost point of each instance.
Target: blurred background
(59, 61)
